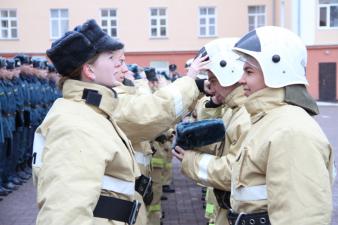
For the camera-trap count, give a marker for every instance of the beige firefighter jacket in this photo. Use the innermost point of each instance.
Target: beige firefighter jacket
(206, 113)
(285, 164)
(81, 153)
(215, 171)
(144, 116)
(143, 151)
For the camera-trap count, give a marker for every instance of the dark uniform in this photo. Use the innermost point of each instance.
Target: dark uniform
(3, 191)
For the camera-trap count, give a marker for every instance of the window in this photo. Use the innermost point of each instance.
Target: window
(8, 24)
(158, 22)
(256, 16)
(109, 21)
(160, 66)
(59, 22)
(207, 22)
(328, 13)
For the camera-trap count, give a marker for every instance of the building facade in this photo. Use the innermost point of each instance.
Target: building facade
(163, 32)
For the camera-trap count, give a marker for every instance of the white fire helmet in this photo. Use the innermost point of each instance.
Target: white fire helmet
(188, 63)
(224, 63)
(280, 53)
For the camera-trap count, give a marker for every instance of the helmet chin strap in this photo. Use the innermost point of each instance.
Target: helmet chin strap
(296, 94)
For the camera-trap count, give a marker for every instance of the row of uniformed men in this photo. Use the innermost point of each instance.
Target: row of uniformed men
(27, 90)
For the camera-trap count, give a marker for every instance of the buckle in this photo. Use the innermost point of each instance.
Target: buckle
(239, 218)
(134, 212)
(143, 185)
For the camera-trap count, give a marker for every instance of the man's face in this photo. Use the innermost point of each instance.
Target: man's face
(109, 68)
(218, 90)
(9, 73)
(252, 79)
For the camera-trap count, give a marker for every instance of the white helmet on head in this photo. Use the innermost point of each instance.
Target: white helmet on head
(188, 63)
(280, 53)
(223, 61)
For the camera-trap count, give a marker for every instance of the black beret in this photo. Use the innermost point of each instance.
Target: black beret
(17, 62)
(78, 46)
(172, 67)
(150, 73)
(24, 59)
(3, 63)
(133, 68)
(39, 63)
(51, 68)
(10, 64)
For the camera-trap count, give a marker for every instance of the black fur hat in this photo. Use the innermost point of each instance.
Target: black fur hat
(78, 46)
(150, 73)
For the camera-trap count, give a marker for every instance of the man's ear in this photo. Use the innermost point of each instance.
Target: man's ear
(88, 72)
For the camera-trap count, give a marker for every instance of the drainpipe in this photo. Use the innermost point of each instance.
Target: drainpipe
(273, 12)
(282, 13)
(298, 18)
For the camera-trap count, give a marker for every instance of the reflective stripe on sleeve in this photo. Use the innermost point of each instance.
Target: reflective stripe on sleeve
(203, 168)
(38, 145)
(157, 162)
(118, 185)
(168, 165)
(253, 193)
(178, 102)
(210, 208)
(141, 158)
(154, 208)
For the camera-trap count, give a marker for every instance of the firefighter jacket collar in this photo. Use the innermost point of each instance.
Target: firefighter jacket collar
(123, 89)
(235, 98)
(259, 103)
(73, 89)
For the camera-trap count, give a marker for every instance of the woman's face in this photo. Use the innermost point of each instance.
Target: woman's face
(252, 79)
(109, 68)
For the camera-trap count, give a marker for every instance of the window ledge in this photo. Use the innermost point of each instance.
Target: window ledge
(9, 39)
(327, 28)
(156, 38)
(210, 36)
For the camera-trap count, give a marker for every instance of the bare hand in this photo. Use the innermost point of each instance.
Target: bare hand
(178, 152)
(197, 65)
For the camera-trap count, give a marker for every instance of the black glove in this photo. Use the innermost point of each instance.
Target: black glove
(200, 133)
(211, 104)
(161, 138)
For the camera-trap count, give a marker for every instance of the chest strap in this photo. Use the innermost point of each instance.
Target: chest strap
(261, 218)
(117, 209)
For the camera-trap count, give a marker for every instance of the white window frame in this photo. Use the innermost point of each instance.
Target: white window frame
(207, 25)
(109, 18)
(58, 19)
(9, 19)
(256, 15)
(327, 6)
(158, 26)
